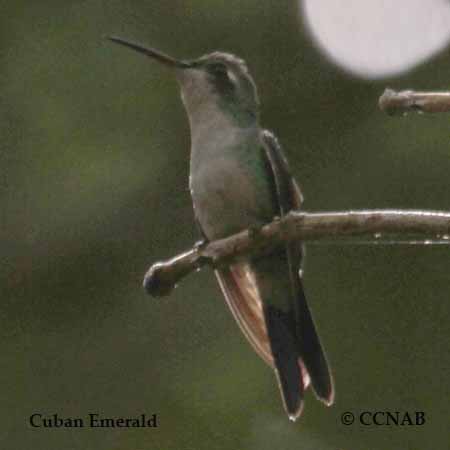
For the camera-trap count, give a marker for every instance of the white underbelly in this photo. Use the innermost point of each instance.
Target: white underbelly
(227, 198)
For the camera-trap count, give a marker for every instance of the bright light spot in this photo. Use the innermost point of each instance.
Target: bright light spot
(378, 38)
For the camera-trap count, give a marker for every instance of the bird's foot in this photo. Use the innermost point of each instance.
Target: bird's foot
(200, 244)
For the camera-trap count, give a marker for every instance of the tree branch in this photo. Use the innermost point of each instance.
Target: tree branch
(401, 102)
(162, 277)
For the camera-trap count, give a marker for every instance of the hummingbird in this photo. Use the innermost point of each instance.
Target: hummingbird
(240, 179)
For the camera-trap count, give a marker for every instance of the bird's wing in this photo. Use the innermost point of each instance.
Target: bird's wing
(309, 347)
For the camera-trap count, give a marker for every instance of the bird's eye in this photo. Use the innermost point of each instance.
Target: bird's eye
(219, 69)
(222, 77)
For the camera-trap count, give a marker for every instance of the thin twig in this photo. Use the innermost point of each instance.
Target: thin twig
(402, 102)
(162, 277)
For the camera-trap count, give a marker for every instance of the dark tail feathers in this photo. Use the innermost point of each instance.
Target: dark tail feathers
(285, 355)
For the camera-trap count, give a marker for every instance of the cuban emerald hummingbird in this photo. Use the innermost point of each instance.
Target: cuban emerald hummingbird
(240, 179)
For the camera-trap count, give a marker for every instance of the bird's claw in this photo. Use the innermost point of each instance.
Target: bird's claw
(200, 244)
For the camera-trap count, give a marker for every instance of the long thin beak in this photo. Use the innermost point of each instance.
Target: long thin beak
(155, 54)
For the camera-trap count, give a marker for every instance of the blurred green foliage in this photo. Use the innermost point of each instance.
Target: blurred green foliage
(94, 151)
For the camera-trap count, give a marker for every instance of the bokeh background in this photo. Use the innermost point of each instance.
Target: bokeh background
(94, 160)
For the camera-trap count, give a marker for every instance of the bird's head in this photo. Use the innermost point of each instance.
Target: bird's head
(216, 81)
